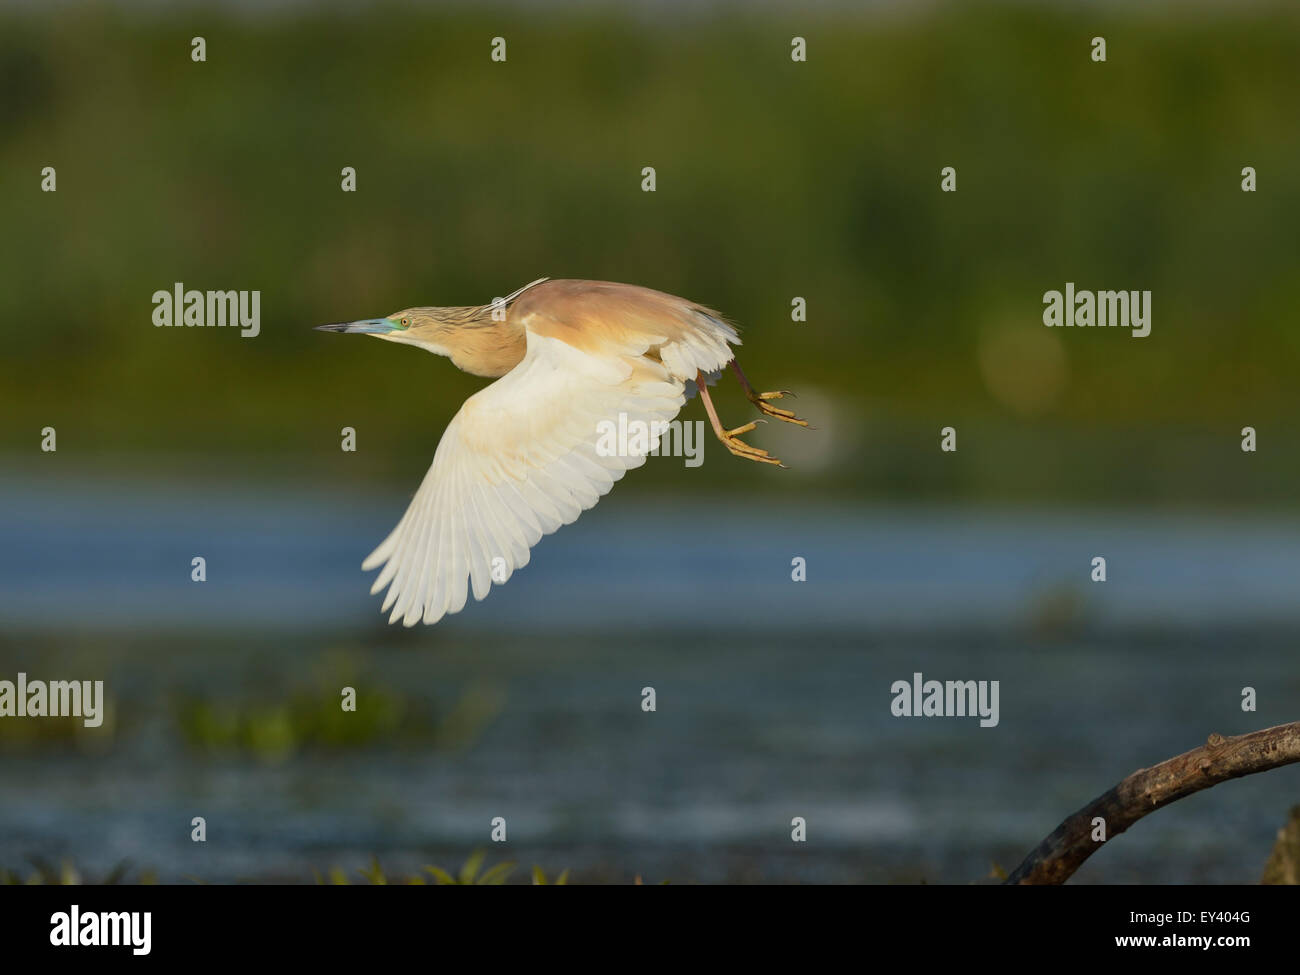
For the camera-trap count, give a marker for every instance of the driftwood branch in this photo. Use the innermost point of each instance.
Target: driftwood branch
(1146, 790)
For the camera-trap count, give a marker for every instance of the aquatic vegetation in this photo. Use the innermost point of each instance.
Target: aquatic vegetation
(66, 874)
(312, 719)
(470, 873)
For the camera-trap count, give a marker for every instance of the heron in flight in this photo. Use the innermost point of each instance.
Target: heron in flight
(520, 459)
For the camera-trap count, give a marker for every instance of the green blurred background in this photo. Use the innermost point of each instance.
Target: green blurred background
(775, 179)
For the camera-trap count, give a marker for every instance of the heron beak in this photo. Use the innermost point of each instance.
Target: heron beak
(367, 326)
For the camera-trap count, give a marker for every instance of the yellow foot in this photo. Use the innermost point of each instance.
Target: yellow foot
(731, 440)
(761, 401)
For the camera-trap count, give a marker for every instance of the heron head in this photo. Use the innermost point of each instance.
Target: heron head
(472, 337)
(413, 326)
(383, 327)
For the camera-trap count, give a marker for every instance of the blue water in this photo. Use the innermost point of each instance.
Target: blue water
(118, 555)
(772, 696)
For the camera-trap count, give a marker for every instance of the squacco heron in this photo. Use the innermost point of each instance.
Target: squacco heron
(520, 459)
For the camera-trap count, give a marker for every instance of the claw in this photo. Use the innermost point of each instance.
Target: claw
(777, 413)
(747, 451)
(760, 400)
(745, 429)
(760, 456)
(731, 438)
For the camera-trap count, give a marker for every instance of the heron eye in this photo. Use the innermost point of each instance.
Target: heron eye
(406, 323)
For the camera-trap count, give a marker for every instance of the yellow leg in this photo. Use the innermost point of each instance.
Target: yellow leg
(731, 438)
(760, 400)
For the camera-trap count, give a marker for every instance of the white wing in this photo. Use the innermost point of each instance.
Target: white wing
(519, 460)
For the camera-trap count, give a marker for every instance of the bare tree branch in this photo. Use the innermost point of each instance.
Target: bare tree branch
(1146, 790)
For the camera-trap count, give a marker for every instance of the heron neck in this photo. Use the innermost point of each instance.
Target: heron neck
(483, 347)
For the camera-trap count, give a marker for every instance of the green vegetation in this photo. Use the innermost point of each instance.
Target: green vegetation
(66, 874)
(470, 873)
(274, 730)
(241, 712)
(312, 719)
